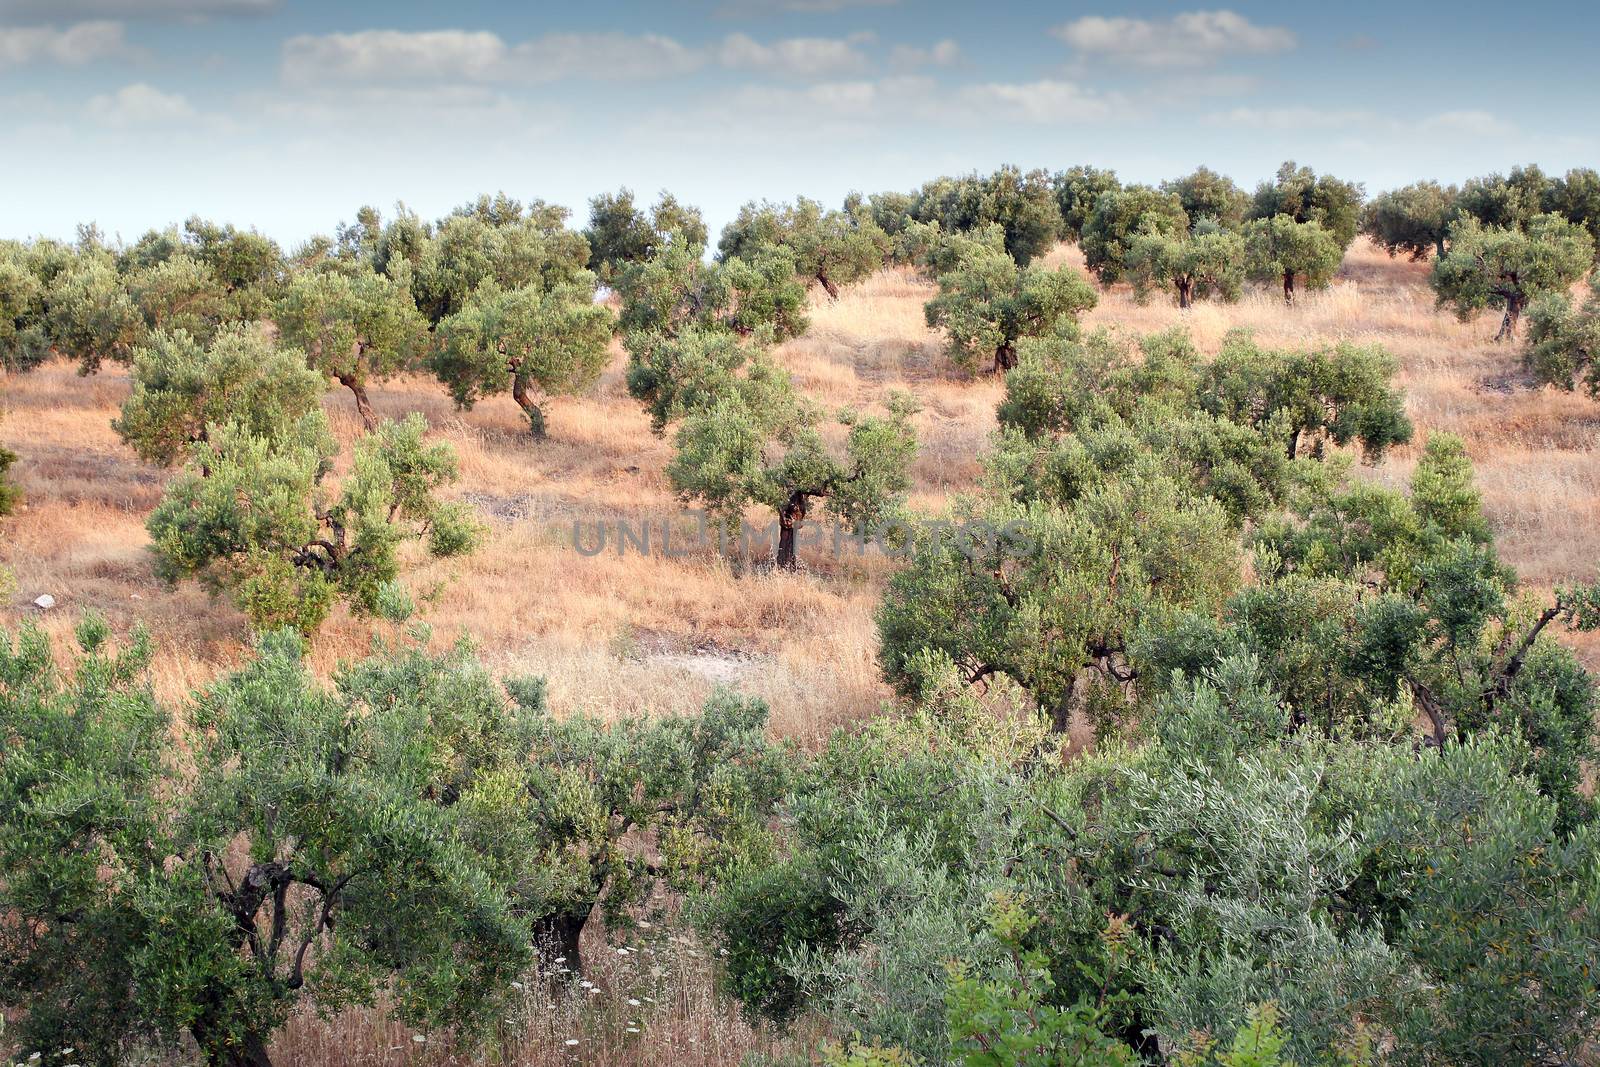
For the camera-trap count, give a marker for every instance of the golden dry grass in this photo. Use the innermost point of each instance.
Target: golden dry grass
(634, 632)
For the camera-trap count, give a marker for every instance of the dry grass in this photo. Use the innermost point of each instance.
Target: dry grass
(635, 632)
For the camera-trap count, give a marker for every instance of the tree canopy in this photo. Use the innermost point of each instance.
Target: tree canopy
(986, 304)
(1509, 268)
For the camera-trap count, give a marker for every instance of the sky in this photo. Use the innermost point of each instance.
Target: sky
(288, 116)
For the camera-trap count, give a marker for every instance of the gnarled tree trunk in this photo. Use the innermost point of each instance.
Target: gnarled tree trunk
(524, 398)
(791, 516)
(369, 418)
(1508, 321)
(1288, 287)
(1185, 288)
(1005, 357)
(559, 937)
(831, 289)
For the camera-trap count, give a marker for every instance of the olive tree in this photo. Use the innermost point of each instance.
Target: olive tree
(24, 343)
(1305, 196)
(181, 293)
(1507, 201)
(758, 293)
(1414, 219)
(1281, 250)
(492, 240)
(531, 340)
(1117, 217)
(216, 887)
(987, 303)
(833, 248)
(1576, 197)
(1205, 194)
(249, 265)
(1488, 266)
(1023, 205)
(1078, 189)
(183, 389)
(1564, 341)
(1308, 397)
(355, 326)
(1195, 266)
(756, 442)
(91, 317)
(619, 233)
(251, 516)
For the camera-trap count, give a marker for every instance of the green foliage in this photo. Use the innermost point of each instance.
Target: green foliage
(355, 326)
(10, 493)
(183, 389)
(1415, 219)
(834, 248)
(181, 293)
(1078, 189)
(1493, 266)
(1507, 202)
(755, 295)
(936, 253)
(1563, 341)
(1051, 591)
(1196, 266)
(1305, 196)
(90, 316)
(215, 895)
(23, 339)
(619, 233)
(1339, 394)
(1119, 215)
(755, 441)
(674, 374)
(1023, 205)
(553, 340)
(987, 304)
(1205, 194)
(1281, 249)
(498, 240)
(249, 515)
(248, 265)
(1010, 1022)
(1576, 197)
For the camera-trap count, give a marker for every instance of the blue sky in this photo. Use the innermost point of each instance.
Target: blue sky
(288, 116)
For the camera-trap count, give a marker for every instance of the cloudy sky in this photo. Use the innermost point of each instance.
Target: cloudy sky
(288, 115)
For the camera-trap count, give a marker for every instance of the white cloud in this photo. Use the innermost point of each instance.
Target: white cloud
(482, 57)
(1194, 38)
(1475, 123)
(1289, 118)
(392, 55)
(803, 57)
(376, 56)
(134, 9)
(140, 105)
(1045, 101)
(940, 54)
(603, 57)
(74, 46)
(1479, 123)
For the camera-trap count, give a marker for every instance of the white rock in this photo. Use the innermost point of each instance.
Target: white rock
(44, 602)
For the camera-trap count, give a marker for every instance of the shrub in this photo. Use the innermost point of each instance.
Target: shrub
(249, 515)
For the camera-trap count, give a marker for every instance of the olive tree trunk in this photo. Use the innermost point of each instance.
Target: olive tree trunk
(791, 516)
(369, 418)
(1508, 321)
(524, 398)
